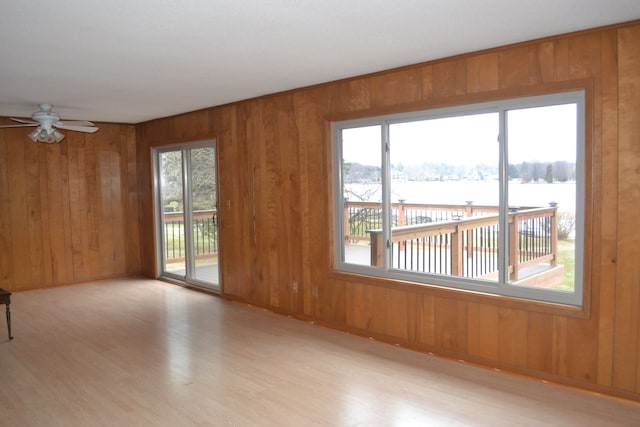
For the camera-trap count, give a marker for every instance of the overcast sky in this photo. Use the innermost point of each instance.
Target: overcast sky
(545, 134)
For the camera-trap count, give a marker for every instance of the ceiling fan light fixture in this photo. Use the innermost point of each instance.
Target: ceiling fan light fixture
(57, 136)
(35, 135)
(48, 136)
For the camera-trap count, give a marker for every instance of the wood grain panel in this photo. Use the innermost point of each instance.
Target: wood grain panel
(131, 199)
(627, 320)
(513, 67)
(92, 206)
(427, 81)
(334, 300)
(539, 348)
(606, 234)
(146, 202)
(191, 126)
(315, 219)
(559, 346)
(483, 323)
(397, 309)
(6, 261)
(236, 190)
(34, 207)
(39, 160)
(397, 87)
(482, 73)
(51, 170)
(256, 161)
(449, 78)
(288, 215)
(266, 180)
(541, 62)
(561, 59)
(105, 202)
(425, 319)
(59, 230)
(20, 243)
(360, 305)
(450, 324)
(77, 194)
(359, 94)
(512, 336)
(63, 192)
(118, 168)
(303, 111)
(584, 55)
(582, 349)
(228, 190)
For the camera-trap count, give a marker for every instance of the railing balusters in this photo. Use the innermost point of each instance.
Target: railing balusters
(205, 235)
(456, 243)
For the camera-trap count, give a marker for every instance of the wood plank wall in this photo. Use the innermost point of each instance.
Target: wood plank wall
(69, 212)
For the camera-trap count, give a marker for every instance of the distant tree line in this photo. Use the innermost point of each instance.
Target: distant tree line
(355, 172)
(559, 171)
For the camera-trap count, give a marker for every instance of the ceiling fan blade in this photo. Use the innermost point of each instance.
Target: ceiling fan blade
(20, 126)
(73, 123)
(88, 129)
(31, 122)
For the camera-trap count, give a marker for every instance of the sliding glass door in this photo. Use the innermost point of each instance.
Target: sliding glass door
(186, 212)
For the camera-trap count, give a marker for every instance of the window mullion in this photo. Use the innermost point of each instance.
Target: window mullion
(503, 205)
(387, 213)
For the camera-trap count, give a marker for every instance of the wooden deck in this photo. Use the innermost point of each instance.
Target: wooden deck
(538, 275)
(458, 240)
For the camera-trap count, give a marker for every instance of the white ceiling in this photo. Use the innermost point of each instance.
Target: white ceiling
(134, 60)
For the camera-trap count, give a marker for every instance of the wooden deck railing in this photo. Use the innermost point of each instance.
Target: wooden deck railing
(205, 235)
(360, 217)
(459, 240)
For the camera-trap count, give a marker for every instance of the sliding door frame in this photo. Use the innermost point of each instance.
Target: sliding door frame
(188, 278)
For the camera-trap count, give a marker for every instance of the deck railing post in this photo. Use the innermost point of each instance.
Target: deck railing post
(402, 220)
(376, 247)
(513, 246)
(469, 233)
(456, 252)
(402, 216)
(346, 220)
(554, 233)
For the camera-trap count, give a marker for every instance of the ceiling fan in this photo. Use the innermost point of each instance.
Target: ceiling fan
(46, 120)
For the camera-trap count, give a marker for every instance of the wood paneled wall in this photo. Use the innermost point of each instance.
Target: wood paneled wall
(274, 161)
(69, 212)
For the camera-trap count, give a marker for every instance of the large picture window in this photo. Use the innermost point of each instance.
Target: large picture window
(487, 197)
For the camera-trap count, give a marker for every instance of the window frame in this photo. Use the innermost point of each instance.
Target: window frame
(501, 287)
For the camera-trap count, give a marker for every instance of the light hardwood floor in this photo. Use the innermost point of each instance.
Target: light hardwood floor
(143, 352)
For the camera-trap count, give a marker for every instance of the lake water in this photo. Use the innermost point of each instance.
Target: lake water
(480, 192)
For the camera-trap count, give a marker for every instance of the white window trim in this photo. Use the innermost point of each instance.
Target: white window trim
(502, 287)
